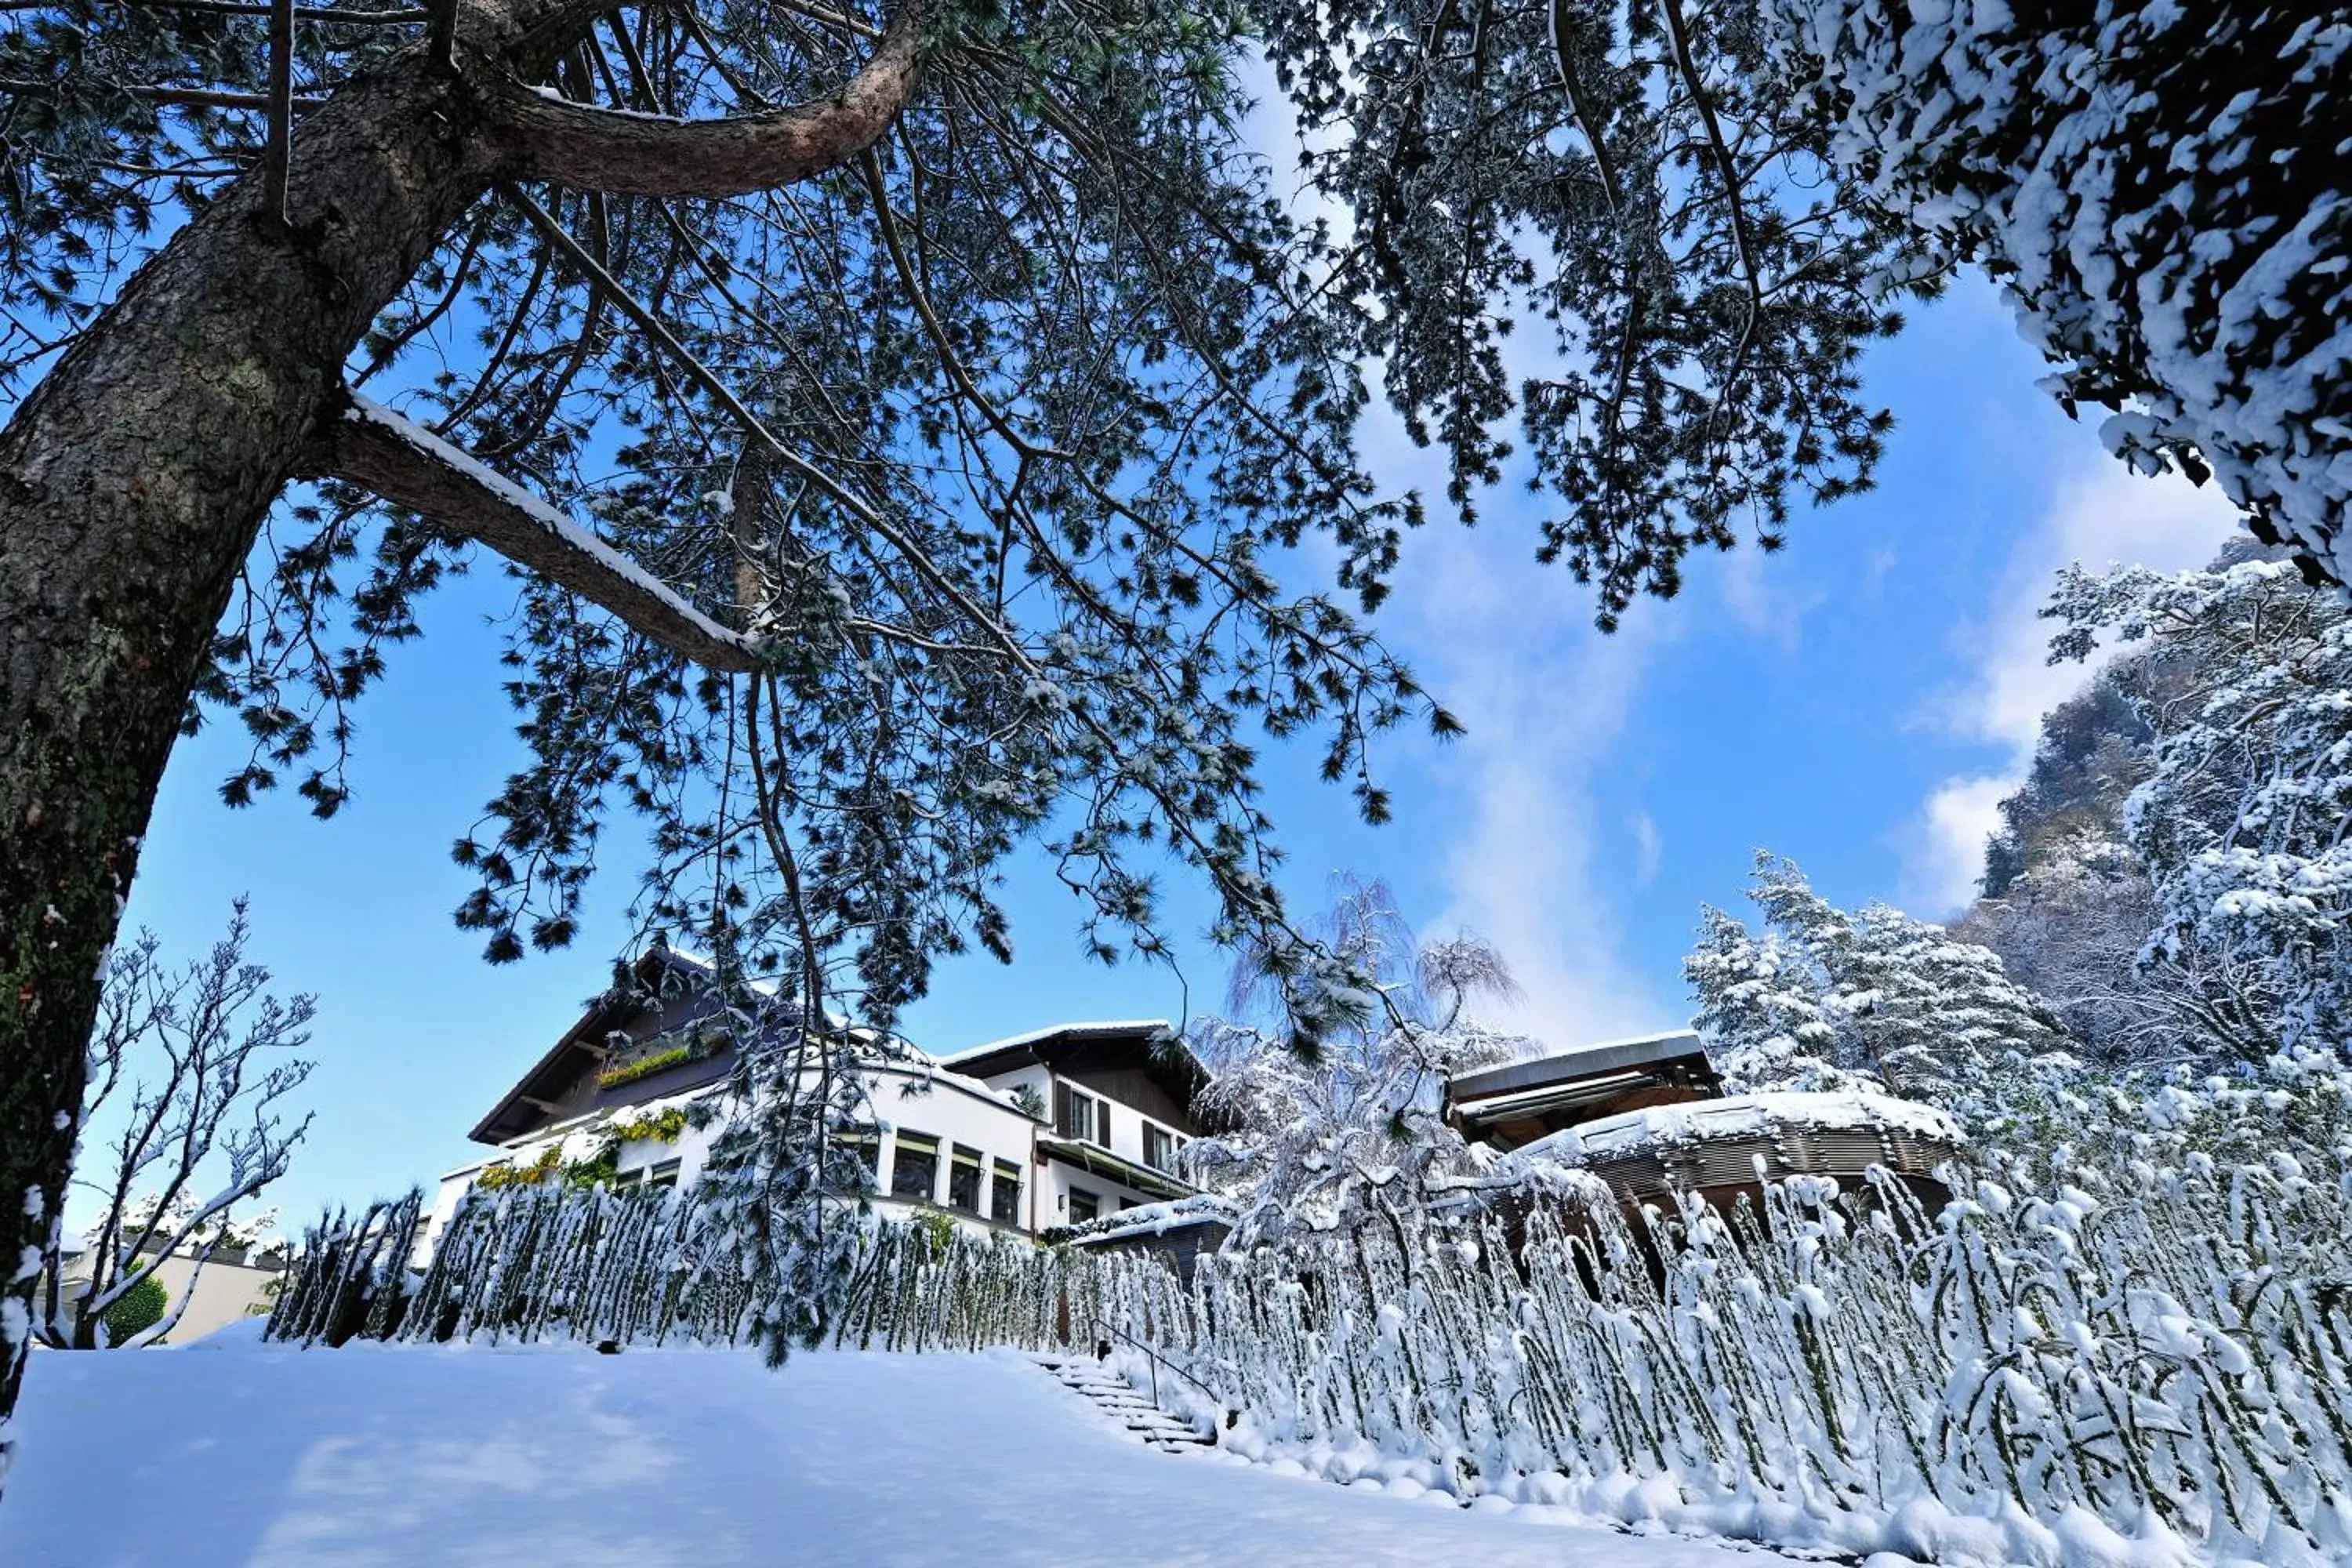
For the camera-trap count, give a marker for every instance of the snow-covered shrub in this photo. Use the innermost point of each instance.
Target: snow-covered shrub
(349, 1276)
(2291, 1112)
(2043, 1377)
(649, 1266)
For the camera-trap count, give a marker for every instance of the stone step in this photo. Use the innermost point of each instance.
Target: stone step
(1112, 1394)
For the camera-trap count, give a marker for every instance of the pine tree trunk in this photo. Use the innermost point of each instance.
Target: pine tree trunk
(132, 483)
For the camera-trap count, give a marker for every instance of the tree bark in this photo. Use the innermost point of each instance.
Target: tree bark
(133, 484)
(378, 450)
(136, 477)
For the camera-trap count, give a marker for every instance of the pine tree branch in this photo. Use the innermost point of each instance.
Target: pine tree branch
(588, 148)
(409, 466)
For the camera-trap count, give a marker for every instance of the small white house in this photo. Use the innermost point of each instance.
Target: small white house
(1049, 1129)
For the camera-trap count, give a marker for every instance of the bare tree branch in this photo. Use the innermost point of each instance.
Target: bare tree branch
(409, 466)
(650, 155)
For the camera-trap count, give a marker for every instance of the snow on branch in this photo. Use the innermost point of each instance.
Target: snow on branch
(629, 153)
(409, 466)
(205, 1053)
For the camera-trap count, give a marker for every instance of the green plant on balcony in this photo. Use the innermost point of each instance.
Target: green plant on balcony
(507, 1173)
(629, 1072)
(661, 1126)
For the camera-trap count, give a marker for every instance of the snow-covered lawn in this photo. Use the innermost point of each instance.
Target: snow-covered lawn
(403, 1455)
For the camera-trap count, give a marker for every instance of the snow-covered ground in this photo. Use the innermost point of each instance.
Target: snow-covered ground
(403, 1455)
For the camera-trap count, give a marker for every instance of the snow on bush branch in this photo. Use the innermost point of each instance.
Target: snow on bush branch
(1346, 1129)
(2030, 1378)
(204, 1054)
(650, 1266)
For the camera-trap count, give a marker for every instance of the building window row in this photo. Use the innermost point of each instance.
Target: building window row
(1086, 1118)
(915, 1159)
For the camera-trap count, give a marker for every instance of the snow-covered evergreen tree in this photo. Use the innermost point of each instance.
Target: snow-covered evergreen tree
(2244, 825)
(2174, 235)
(1764, 1008)
(781, 1164)
(1824, 1000)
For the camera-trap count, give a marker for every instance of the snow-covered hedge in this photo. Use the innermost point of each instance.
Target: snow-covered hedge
(592, 1266)
(2157, 1372)
(2160, 1377)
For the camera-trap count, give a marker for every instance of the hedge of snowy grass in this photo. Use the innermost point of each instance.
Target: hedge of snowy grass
(2159, 1374)
(595, 1266)
(2158, 1377)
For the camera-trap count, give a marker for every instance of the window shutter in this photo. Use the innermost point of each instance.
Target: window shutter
(1102, 1122)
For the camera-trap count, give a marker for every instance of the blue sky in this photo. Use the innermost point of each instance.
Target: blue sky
(1857, 701)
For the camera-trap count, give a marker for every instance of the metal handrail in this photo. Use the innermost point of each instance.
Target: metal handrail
(1156, 1358)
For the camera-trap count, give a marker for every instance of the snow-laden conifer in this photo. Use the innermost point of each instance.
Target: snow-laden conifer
(2175, 236)
(1821, 999)
(2244, 823)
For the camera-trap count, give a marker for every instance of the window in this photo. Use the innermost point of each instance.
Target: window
(915, 1167)
(1073, 1113)
(1124, 1205)
(963, 1180)
(662, 1175)
(1081, 1115)
(1004, 1199)
(863, 1144)
(1158, 1148)
(1084, 1205)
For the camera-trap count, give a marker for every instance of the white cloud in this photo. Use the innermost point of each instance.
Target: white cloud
(1543, 696)
(1764, 595)
(1647, 850)
(2100, 514)
(1941, 874)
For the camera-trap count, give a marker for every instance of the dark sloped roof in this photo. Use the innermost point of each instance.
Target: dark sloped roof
(1585, 1062)
(658, 977)
(1160, 1050)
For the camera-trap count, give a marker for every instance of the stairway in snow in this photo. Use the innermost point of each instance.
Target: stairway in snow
(1099, 1385)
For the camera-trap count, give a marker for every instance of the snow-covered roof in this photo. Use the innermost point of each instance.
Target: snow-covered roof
(1582, 1061)
(1158, 1219)
(1736, 1116)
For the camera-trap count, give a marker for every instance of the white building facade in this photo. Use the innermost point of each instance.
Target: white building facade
(1026, 1136)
